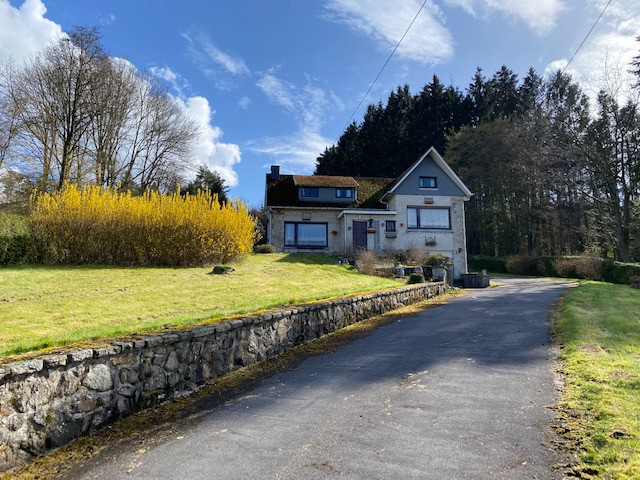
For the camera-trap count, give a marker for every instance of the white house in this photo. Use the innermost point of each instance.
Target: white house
(422, 208)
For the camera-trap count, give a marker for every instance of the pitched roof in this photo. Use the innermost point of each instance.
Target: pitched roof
(371, 190)
(324, 181)
(444, 166)
(282, 193)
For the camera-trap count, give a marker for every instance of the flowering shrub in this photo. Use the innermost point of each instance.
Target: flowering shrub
(97, 225)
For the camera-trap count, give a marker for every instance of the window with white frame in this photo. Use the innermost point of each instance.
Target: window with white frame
(305, 235)
(428, 218)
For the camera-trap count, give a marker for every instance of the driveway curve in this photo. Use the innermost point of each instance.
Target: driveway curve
(459, 391)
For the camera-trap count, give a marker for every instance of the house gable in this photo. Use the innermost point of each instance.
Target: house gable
(435, 171)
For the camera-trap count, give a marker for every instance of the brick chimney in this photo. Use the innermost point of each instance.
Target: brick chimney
(275, 172)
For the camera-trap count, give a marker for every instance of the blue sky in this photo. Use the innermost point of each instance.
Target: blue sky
(275, 82)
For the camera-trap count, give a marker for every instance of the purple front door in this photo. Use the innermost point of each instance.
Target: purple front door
(359, 236)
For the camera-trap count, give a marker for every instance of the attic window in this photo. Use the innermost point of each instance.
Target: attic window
(428, 182)
(309, 192)
(344, 192)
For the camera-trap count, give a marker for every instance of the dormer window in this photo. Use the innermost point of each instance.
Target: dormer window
(309, 192)
(344, 192)
(428, 182)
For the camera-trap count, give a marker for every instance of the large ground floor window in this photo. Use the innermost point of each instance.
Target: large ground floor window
(438, 218)
(305, 235)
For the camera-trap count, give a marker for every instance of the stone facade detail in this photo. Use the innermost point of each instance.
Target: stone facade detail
(450, 243)
(46, 402)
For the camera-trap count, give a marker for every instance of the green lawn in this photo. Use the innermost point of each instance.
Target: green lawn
(599, 327)
(49, 306)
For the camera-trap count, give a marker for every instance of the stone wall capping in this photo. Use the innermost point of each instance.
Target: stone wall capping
(106, 350)
(33, 365)
(80, 355)
(222, 327)
(153, 341)
(54, 360)
(171, 337)
(93, 386)
(200, 332)
(124, 346)
(185, 335)
(237, 323)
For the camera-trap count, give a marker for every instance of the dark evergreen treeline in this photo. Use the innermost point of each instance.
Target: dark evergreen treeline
(549, 175)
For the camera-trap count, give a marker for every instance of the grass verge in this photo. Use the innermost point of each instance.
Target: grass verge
(53, 306)
(598, 327)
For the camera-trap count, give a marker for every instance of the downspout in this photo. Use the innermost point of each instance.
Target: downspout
(269, 226)
(464, 239)
(344, 234)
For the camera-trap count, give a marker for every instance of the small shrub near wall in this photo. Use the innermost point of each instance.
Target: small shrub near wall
(415, 278)
(265, 248)
(366, 261)
(104, 226)
(634, 281)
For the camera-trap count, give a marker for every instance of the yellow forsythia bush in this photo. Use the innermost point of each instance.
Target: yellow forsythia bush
(97, 225)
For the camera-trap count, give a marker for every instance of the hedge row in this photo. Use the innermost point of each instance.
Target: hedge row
(105, 226)
(14, 239)
(555, 266)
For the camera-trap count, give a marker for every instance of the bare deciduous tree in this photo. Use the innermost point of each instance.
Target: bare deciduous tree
(73, 113)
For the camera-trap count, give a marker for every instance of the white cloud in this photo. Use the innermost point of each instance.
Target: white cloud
(108, 19)
(603, 61)
(210, 151)
(25, 30)
(164, 73)
(175, 80)
(309, 106)
(214, 63)
(541, 16)
(296, 153)
(244, 103)
(428, 41)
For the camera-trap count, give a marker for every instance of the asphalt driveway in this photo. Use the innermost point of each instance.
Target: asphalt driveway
(457, 391)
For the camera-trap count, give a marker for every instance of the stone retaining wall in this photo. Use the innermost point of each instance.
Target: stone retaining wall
(46, 402)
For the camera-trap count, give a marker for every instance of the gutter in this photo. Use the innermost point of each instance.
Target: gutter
(366, 212)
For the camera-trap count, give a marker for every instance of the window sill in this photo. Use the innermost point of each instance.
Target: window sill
(432, 229)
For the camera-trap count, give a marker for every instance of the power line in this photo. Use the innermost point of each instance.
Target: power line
(585, 38)
(381, 70)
